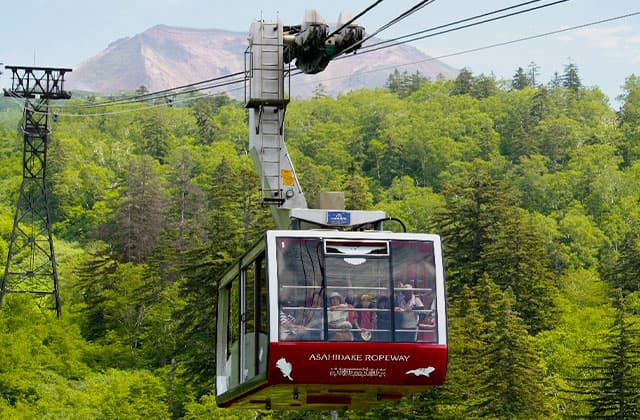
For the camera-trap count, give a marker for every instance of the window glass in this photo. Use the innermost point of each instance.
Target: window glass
(300, 297)
(414, 291)
(245, 322)
(232, 365)
(357, 284)
(263, 314)
(249, 321)
(223, 366)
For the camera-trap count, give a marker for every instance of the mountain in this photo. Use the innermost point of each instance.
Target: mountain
(163, 57)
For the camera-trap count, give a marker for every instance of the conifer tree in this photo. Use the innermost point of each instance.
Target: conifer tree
(611, 385)
(476, 201)
(185, 213)
(627, 270)
(533, 71)
(520, 80)
(467, 341)
(570, 78)
(629, 120)
(153, 134)
(516, 258)
(320, 91)
(494, 370)
(137, 221)
(463, 84)
(540, 105)
(404, 84)
(200, 268)
(93, 279)
(509, 380)
(204, 110)
(484, 86)
(357, 194)
(394, 82)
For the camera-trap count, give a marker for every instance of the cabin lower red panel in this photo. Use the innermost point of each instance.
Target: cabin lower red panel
(361, 363)
(323, 376)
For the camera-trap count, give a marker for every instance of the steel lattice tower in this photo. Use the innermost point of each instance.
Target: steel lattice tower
(31, 264)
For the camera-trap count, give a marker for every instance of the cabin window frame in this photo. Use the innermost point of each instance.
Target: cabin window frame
(427, 319)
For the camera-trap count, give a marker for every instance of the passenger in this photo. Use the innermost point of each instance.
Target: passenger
(383, 320)
(290, 327)
(366, 318)
(341, 319)
(314, 317)
(408, 309)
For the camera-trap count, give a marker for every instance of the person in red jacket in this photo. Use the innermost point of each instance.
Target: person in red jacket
(366, 318)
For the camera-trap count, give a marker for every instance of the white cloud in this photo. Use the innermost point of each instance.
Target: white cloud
(611, 37)
(620, 41)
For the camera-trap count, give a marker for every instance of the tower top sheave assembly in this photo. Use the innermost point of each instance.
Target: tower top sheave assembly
(312, 46)
(273, 47)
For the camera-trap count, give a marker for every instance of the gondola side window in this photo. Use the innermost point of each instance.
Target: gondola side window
(244, 320)
(255, 318)
(414, 279)
(232, 365)
(249, 318)
(223, 363)
(263, 314)
(300, 294)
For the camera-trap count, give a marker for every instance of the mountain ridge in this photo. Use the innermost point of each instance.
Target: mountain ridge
(164, 57)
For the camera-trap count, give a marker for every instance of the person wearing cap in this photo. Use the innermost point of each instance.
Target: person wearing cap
(341, 319)
(407, 303)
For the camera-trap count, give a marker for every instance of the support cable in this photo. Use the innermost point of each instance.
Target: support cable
(389, 24)
(354, 19)
(490, 46)
(371, 48)
(147, 106)
(178, 90)
(446, 25)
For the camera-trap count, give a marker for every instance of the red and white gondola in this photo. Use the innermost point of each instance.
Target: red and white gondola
(323, 319)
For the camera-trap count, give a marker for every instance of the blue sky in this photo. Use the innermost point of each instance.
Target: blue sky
(62, 33)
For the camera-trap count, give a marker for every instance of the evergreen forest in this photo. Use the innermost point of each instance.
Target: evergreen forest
(534, 188)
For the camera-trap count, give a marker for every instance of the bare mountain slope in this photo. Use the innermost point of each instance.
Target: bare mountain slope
(163, 57)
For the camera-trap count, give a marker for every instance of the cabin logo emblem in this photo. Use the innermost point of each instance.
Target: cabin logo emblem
(286, 368)
(422, 371)
(338, 218)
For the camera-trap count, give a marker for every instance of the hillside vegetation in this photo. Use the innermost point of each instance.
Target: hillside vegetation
(534, 189)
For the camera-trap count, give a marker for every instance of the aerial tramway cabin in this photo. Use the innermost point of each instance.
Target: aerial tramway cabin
(325, 319)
